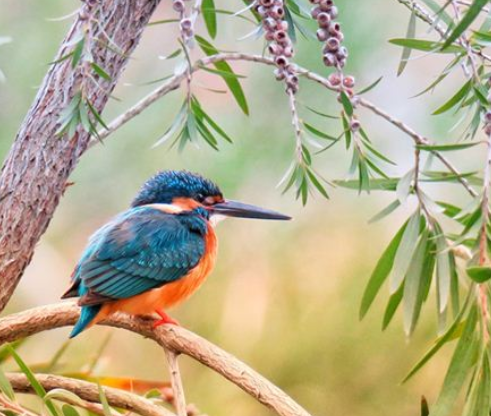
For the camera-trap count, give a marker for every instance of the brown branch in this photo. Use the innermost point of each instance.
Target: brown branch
(176, 381)
(178, 339)
(90, 392)
(16, 408)
(35, 172)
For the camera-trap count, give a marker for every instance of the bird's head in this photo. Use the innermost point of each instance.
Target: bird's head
(183, 191)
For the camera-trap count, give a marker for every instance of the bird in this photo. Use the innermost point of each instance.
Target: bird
(157, 253)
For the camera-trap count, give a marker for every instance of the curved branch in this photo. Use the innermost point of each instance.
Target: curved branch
(178, 339)
(174, 82)
(90, 392)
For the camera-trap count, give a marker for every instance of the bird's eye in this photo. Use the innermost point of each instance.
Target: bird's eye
(200, 197)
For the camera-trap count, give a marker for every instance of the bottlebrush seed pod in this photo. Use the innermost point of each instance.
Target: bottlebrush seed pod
(279, 74)
(342, 53)
(288, 51)
(178, 6)
(355, 125)
(349, 81)
(487, 129)
(322, 35)
(280, 36)
(292, 79)
(332, 44)
(315, 12)
(330, 59)
(266, 3)
(277, 12)
(269, 36)
(269, 23)
(334, 79)
(487, 117)
(334, 28)
(281, 61)
(186, 24)
(334, 12)
(275, 49)
(324, 19)
(262, 11)
(282, 25)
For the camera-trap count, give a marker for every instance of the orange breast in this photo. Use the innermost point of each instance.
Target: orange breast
(169, 294)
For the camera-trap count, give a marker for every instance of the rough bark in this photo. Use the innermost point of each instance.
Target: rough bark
(35, 172)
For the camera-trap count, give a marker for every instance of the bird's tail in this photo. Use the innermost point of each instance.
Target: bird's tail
(86, 316)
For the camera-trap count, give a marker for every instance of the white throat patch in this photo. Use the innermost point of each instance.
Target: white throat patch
(216, 218)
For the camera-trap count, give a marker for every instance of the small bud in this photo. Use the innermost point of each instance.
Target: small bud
(281, 61)
(292, 79)
(262, 11)
(282, 25)
(178, 5)
(342, 53)
(487, 129)
(279, 74)
(275, 49)
(269, 23)
(269, 36)
(334, 12)
(186, 24)
(487, 117)
(349, 81)
(330, 59)
(334, 28)
(322, 35)
(332, 44)
(280, 36)
(324, 19)
(315, 12)
(355, 125)
(288, 51)
(266, 3)
(334, 79)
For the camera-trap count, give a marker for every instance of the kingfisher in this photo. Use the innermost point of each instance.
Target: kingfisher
(156, 254)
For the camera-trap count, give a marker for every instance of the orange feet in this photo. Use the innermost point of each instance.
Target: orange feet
(165, 319)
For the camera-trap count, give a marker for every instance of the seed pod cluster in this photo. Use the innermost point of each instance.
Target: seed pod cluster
(185, 24)
(329, 32)
(280, 45)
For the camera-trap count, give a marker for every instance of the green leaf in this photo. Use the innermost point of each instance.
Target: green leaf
(232, 83)
(69, 410)
(196, 106)
(319, 113)
(443, 268)
(96, 114)
(5, 386)
(370, 87)
(405, 252)
(105, 405)
(392, 306)
(210, 17)
(479, 274)
(77, 52)
(381, 272)
(460, 364)
(223, 74)
(406, 52)
(418, 274)
(439, 11)
(317, 132)
(440, 342)
(317, 183)
(378, 184)
(455, 99)
(426, 46)
(471, 14)
(389, 209)
(101, 72)
(37, 387)
(346, 102)
(64, 395)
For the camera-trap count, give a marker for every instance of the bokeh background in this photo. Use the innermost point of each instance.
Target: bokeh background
(285, 296)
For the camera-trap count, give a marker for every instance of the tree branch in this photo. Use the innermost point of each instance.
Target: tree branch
(176, 380)
(90, 392)
(178, 339)
(174, 82)
(35, 172)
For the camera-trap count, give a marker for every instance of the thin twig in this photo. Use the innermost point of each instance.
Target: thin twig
(90, 392)
(43, 318)
(174, 82)
(176, 381)
(16, 408)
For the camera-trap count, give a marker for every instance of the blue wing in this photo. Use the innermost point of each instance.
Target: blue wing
(141, 249)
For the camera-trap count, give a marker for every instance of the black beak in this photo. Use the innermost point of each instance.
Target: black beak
(241, 210)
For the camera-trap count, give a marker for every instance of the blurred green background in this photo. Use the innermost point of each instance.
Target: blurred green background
(285, 296)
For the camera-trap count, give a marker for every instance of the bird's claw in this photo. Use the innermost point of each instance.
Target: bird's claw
(165, 319)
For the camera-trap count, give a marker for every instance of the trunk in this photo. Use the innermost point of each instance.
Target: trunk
(35, 172)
